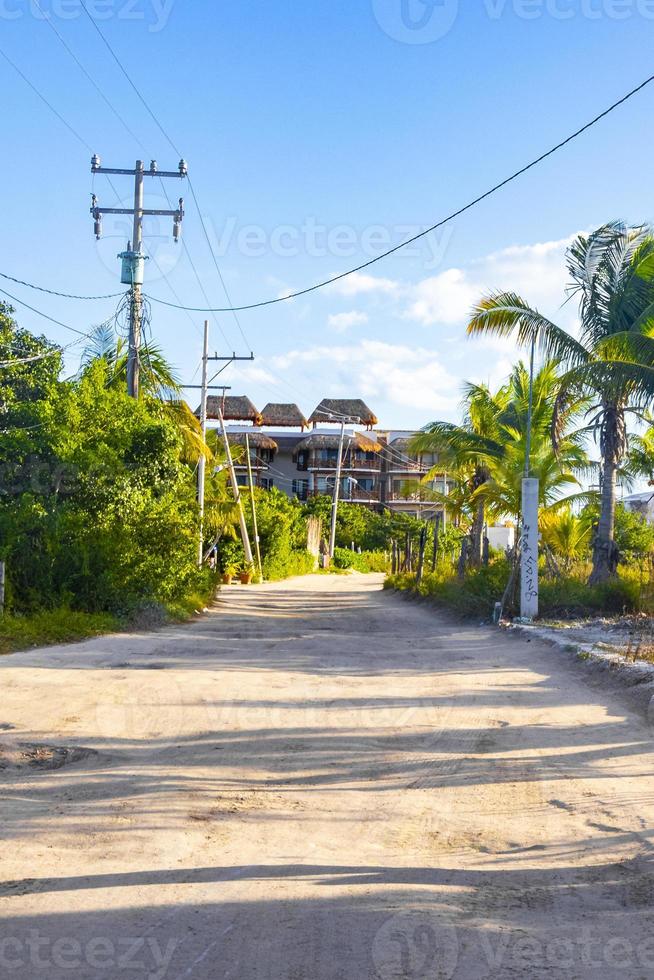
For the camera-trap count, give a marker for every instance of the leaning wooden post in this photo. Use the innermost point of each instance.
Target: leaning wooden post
(434, 557)
(253, 505)
(421, 554)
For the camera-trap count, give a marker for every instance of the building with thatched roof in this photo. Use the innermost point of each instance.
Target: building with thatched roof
(283, 415)
(262, 455)
(337, 409)
(234, 408)
(356, 441)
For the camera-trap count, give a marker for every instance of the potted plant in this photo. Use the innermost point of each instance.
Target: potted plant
(229, 571)
(247, 572)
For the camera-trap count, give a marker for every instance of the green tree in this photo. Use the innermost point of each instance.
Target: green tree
(612, 276)
(486, 455)
(467, 451)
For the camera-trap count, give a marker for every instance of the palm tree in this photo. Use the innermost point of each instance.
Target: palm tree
(157, 376)
(567, 535)
(487, 452)
(612, 276)
(466, 451)
(158, 381)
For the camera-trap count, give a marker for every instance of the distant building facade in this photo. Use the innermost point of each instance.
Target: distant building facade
(299, 455)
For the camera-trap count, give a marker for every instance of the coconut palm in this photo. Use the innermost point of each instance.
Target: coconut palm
(567, 535)
(466, 450)
(158, 380)
(487, 452)
(157, 376)
(612, 362)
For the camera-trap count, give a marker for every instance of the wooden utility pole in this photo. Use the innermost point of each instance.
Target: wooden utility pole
(203, 423)
(254, 507)
(337, 487)
(434, 557)
(247, 549)
(421, 554)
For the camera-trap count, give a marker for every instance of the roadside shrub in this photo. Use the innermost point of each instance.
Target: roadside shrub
(286, 565)
(366, 561)
(560, 598)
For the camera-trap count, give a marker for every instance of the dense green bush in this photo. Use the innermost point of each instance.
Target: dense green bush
(564, 597)
(365, 561)
(282, 527)
(370, 530)
(98, 509)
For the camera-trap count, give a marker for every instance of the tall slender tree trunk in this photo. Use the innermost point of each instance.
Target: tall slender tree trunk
(477, 536)
(605, 555)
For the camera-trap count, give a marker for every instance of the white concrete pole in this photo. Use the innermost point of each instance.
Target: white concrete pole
(529, 551)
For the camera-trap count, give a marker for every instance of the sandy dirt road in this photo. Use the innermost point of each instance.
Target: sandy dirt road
(319, 781)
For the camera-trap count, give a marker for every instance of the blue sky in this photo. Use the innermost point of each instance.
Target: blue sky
(317, 134)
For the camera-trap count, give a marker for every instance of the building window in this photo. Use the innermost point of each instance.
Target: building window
(367, 485)
(303, 460)
(267, 483)
(329, 456)
(301, 489)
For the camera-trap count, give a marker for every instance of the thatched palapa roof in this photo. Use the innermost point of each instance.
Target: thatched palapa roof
(235, 408)
(351, 408)
(402, 444)
(359, 441)
(257, 440)
(283, 415)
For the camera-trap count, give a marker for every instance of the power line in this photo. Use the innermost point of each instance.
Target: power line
(53, 292)
(46, 316)
(124, 71)
(439, 224)
(88, 75)
(45, 101)
(160, 127)
(215, 261)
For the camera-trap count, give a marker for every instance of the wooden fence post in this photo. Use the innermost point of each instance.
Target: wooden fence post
(421, 554)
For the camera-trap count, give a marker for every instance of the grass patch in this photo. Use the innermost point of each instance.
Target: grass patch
(569, 597)
(55, 626)
(48, 628)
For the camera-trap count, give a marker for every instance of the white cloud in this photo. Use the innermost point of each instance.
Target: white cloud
(359, 283)
(411, 377)
(340, 322)
(445, 298)
(536, 272)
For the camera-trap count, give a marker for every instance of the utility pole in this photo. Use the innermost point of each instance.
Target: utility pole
(337, 483)
(203, 423)
(254, 507)
(133, 259)
(247, 549)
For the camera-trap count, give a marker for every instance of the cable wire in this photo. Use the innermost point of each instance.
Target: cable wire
(88, 75)
(124, 71)
(53, 292)
(46, 316)
(45, 101)
(439, 224)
